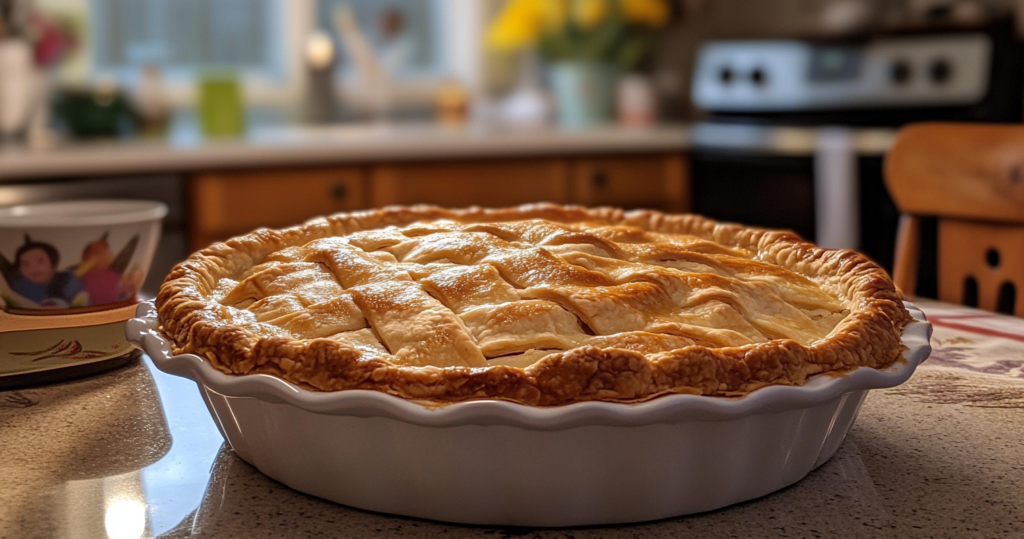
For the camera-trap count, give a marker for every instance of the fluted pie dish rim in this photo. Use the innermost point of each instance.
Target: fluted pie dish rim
(490, 462)
(193, 319)
(143, 332)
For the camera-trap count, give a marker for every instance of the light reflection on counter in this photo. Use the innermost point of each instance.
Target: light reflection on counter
(125, 518)
(151, 499)
(174, 485)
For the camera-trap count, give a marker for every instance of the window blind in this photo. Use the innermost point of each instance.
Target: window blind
(187, 34)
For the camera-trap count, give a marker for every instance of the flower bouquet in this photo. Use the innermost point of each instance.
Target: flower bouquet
(586, 43)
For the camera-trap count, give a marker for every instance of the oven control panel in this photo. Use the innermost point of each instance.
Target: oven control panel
(783, 75)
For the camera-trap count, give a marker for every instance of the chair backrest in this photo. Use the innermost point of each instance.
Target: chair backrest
(971, 177)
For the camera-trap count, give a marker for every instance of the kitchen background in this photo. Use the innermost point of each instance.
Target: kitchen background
(248, 113)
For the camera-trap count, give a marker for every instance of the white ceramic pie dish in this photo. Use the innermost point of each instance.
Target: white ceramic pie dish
(501, 463)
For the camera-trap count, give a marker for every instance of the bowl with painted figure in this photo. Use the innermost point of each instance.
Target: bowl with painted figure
(70, 274)
(76, 256)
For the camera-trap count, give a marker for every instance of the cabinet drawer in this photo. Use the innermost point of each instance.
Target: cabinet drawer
(224, 204)
(481, 183)
(649, 181)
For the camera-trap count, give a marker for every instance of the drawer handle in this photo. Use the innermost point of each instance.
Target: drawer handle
(599, 179)
(1015, 174)
(339, 191)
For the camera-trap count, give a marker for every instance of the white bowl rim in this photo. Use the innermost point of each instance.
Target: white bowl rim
(142, 332)
(74, 213)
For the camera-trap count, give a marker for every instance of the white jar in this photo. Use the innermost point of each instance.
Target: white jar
(19, 80)
(636, 101)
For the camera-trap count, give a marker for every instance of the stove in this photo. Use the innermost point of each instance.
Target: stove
(783, 144)
(967, 75)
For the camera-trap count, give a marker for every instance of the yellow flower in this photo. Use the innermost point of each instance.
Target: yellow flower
(589, 13)
(555, 13)
(522, 22)
(515, 27)
(652, 13)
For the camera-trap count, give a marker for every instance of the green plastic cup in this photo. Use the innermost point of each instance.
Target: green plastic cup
(220, 105)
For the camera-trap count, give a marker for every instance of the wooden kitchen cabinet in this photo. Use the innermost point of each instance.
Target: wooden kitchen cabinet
(229, 203)
(225, 204)
(644, 181)
(469, 183)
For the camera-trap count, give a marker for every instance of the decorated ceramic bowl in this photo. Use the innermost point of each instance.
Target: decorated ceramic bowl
(76, 256)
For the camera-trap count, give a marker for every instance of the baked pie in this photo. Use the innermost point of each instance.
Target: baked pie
(540, 305)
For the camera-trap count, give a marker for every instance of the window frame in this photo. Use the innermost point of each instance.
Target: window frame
(272, 72)
(458, 45)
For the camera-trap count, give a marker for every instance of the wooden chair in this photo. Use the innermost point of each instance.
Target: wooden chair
(971, 178)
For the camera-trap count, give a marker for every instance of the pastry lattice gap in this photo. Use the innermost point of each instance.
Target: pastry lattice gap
(451, 294)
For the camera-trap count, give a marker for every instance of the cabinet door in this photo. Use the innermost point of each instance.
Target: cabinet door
(226, 204)
(644, 181)
(471, 183)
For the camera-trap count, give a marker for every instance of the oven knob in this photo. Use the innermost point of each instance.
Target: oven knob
(725, 75)
(939, 71)
(899, 72)
(758, 77)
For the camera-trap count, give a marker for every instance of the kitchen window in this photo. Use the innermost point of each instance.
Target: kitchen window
(184, 37)
(405, 34)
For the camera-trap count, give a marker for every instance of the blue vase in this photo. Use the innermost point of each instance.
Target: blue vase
(584, 93)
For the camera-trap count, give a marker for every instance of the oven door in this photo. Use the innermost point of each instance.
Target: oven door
(778, 190)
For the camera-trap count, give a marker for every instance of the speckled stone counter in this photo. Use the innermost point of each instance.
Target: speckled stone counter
(335, 144)
(186, 151)
(133, 453)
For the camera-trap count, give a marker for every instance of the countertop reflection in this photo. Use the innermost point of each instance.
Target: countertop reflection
(124, 454)
(134, 453)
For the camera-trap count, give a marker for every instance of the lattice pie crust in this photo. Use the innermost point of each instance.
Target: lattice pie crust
(540, 305)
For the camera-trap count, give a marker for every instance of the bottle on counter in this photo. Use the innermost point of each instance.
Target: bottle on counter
(151, 102)
(321, 58)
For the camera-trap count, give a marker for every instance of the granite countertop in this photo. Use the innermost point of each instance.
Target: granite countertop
(134, 453)
(338, 144)
(282, 145)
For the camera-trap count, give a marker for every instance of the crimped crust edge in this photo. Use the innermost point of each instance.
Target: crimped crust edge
(870, 336)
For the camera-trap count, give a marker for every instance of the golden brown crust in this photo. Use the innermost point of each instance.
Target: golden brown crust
(870, 335)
